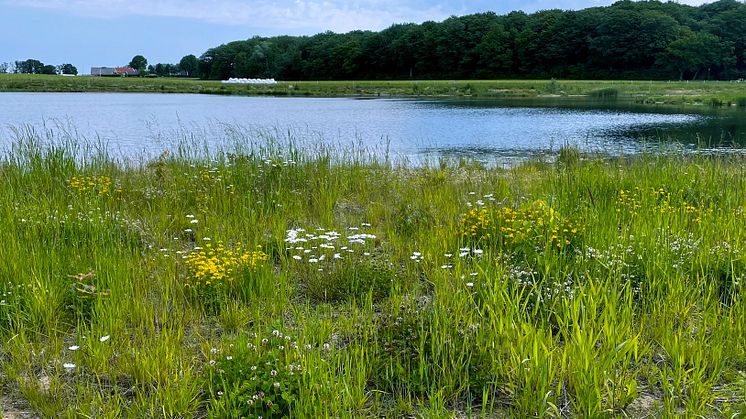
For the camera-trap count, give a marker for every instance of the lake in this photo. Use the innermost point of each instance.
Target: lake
(131, 124)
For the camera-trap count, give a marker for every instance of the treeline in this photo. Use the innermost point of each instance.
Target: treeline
(187, 67)
(32, 66)
(628, 40)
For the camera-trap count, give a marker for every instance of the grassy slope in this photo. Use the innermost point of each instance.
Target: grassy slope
(644, 91)
(643, 312)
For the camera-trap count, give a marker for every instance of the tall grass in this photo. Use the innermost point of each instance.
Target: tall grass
(348, 287)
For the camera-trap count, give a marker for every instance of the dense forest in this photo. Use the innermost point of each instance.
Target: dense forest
(627, 40)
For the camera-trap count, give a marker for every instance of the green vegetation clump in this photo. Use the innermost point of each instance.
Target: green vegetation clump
(605, 93)
(275, 282)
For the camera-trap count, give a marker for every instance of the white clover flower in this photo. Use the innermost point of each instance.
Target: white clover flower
(277, 385)
(273, 373)
(74, 348)
(68, 365)
(297, 257)
(195, 221)
(469, 284)
(104, 338)
(313, 260)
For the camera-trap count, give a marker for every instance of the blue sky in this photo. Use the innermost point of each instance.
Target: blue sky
(110, 32)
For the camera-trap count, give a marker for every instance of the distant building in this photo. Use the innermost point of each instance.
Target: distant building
(103, 71)
(114, 71)
(126, 71)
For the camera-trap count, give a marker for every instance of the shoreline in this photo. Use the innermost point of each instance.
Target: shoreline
(693, 93)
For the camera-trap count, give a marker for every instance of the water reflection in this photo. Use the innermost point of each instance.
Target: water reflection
(492, 131)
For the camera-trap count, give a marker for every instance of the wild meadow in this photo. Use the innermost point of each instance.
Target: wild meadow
(273, 282)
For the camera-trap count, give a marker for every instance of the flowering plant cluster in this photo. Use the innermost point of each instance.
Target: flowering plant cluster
(256, 377)
(658, 201)
(339, 266)
(100, 185)
(535, 226)
(219, 264)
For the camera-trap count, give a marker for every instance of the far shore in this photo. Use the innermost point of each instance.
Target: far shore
(698, 92)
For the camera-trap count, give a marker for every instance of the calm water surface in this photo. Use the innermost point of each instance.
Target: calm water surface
(131, 124)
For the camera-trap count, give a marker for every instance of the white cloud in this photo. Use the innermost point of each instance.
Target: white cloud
(336, 15)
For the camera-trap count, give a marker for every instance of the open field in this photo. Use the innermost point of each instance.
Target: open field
(696, 92)
(274, 281)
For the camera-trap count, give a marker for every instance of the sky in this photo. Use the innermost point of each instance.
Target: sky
(90, 33)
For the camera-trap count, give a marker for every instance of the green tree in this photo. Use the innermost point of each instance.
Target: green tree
(495, 54)
(190, 64)
(630, 42)
(139, 63)
(30, 66)
(4, 67)
(730, 25)
(696, 52)
(67, 69)
(162, 70)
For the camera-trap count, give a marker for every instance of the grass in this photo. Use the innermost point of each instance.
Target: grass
(276, 281)
(649, 92)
